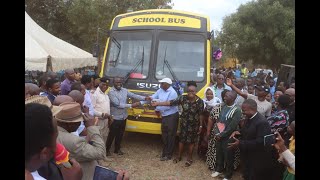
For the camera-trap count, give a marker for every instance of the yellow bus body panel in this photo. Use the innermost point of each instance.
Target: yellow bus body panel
(143, 127)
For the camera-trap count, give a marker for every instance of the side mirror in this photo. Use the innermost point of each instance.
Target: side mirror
(211, 41)
(212, 36)
(96, 50)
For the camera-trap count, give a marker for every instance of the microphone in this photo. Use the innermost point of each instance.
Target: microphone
(62, 156)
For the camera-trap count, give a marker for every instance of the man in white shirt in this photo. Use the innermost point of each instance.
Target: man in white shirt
(264, 107)
(101, 106)
(87, 82)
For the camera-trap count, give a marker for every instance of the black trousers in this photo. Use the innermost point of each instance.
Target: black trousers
(116, 132)
(246, 166)
(225, 156)
(169, 128)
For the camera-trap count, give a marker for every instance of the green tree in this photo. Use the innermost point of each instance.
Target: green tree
(262, 31)
(76, 21)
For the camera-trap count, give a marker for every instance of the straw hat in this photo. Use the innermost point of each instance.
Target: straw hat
(70, 113)
(44, 101)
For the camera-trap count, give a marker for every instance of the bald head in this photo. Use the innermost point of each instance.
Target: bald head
(78, 86)
(61, 99)
(252, 104)
(31, 89)
(292, 93)
(239, 83)
(249, 108)
(69, 71)
(230, 97)
(77, 96)
(69, 74)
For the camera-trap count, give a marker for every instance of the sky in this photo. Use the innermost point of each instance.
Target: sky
(215, 9)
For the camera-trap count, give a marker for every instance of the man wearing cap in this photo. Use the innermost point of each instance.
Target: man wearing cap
(264, 107)
(86, 153)
(170, 117)
(101, 106)
(118, 108)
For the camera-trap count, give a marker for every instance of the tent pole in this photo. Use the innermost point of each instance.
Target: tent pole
(49, 64)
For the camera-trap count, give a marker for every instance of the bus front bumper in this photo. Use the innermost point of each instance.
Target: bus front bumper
(143, 127)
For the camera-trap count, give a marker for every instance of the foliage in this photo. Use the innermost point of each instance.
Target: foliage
(262, 31)
(76, 21)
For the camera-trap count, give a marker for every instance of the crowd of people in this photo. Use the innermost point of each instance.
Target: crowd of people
(227, 126)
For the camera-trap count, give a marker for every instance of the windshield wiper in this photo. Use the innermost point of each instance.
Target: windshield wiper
(165, 62)
(135, 68)
(118, 45)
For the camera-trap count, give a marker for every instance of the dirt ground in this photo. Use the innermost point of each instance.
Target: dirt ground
(142, 160)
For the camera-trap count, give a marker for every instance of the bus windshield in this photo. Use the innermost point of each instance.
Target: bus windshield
(183, 53)
(129, 51)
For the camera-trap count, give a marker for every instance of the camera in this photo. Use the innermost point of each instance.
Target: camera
(269, 139)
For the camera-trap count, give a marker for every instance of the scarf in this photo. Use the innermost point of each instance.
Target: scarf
(214, 101)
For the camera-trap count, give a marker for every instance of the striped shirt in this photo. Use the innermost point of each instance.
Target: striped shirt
(230, 117)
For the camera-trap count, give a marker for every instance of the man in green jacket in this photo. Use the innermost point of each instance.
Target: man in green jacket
(227, 123)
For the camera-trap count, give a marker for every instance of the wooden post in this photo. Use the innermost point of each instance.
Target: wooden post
(49, 64)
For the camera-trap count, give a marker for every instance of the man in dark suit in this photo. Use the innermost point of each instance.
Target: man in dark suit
(259, 163)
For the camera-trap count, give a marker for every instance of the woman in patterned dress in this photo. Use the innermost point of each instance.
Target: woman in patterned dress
(279, 120)
(191, 124)
(211, 153)
(210, 101)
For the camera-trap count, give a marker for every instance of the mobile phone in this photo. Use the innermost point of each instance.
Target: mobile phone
(269, 139)
(102, 173)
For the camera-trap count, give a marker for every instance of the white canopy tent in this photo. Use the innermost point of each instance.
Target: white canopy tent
(42, 47)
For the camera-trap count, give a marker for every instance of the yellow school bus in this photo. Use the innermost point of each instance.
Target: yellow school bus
(146, 46)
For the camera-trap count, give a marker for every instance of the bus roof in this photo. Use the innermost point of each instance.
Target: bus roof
(166, 18)
(164, 10)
